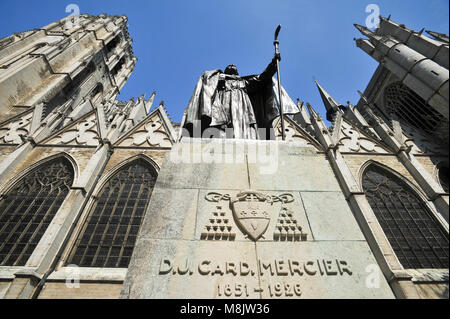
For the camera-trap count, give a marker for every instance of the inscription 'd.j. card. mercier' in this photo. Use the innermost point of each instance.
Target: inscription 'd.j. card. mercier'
(251, 212)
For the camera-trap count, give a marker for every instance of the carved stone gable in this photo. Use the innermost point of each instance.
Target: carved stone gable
(293, 132)
(83, 132)
(150, 133)
(14, 131)
(352, 140)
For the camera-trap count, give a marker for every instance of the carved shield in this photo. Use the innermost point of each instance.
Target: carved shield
(251, 211)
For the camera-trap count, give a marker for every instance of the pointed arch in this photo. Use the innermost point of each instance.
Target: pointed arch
(76, 170)
(417, 238)
(29, 205)
(114, 170)
(404, 178)
(112, 45)
(109, 231)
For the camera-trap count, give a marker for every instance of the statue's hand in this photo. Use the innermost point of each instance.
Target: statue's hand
(277, 56)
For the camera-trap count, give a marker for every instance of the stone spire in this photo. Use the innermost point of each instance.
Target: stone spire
(302, 117)
(331, 105)
(149, 103)
(364, 30)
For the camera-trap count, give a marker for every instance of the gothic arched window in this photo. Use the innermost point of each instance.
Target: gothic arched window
(112, 45)
(410, 107)
(118, 67)
(108, 234)
(29, 207)
(417, 239)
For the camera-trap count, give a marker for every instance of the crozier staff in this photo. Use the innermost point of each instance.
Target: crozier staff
(276, 43)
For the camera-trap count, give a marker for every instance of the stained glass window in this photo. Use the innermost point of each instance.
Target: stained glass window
(417, 238)
(108, 235)
(29, 207)
(410, 107)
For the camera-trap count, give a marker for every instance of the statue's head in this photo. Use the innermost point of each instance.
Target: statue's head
(231, 70)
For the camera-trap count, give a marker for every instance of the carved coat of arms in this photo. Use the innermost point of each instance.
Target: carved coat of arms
(251, 211)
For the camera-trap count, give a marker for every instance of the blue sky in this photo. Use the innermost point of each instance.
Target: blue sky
(175, 41)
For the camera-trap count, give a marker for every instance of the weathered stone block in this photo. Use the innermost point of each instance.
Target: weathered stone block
(171, 214)
(293, 168)
(330, 216)
(202, 175)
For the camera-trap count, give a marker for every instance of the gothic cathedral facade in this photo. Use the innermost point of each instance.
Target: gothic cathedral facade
(78, 166)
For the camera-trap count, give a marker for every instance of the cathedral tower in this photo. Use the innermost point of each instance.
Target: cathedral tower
(77, 165)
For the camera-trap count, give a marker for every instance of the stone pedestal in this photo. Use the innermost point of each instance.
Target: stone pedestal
(250, 219)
